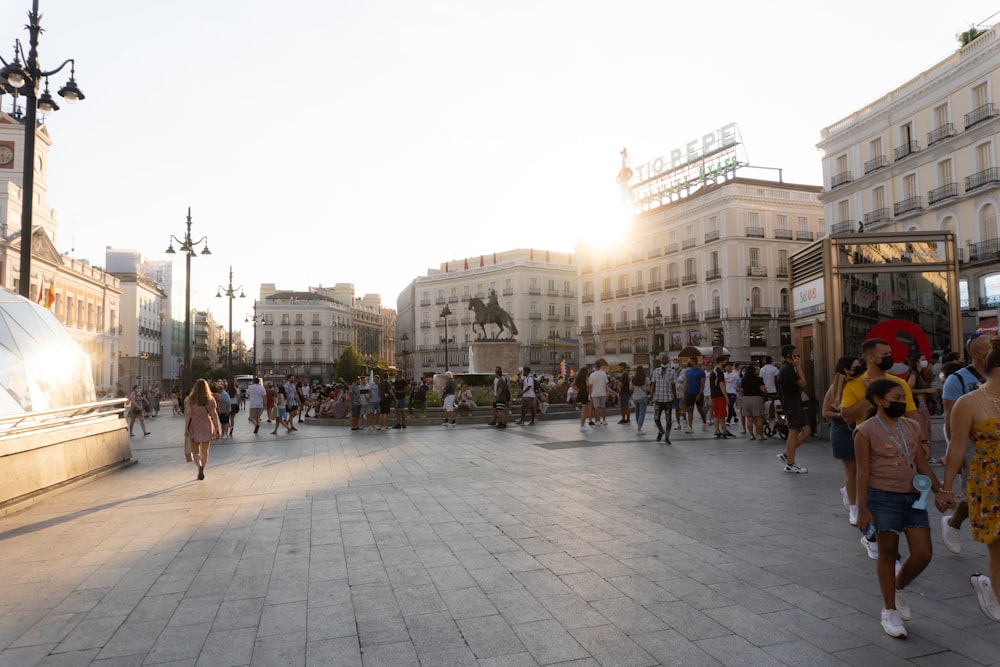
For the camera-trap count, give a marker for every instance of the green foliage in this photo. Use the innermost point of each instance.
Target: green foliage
(200, 368)
(350, 365)
(964, 38)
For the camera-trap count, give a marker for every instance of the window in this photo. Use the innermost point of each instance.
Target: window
(315, 319)
(980, 96)
(753, 219)
(984, 156)
(758, 337)
(714, 260)
(782, 260)
(610, 347)
(841, 165)
(286, 319)
(944, 172)
(782, 222)
(608, 322)
(754, 257)
(909, 186)
(755, 298)
(803, 223)
(552, 309)
(692, 306)
(940, 116)
(690, 266)
(623, 283)
(567, 312)
(672, 272)
(844, 211)
(875, 148)
(638, 279)
(588, 288)
(654, 274)
(784, 300)
(878, 198)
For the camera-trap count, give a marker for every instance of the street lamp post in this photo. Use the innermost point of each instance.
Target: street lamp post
(188, 247)
(654, 318)
(255, 319)
(446, 313)
(230, 293)
(554, 337)
(405, 354)
(18, 80)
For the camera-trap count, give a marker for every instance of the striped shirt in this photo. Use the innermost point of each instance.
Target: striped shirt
(663, 378)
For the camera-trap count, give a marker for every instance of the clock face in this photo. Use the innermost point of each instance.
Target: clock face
(6, 156)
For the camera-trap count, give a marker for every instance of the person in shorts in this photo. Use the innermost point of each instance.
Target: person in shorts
(694, 392)
(400, 389)
(384, 402)
(449, 391)
(720, 401)
(791, 382)
(597, 388)
(841, 433)
(501, 396)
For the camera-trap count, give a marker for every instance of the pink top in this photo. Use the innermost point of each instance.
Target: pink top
(888, 470)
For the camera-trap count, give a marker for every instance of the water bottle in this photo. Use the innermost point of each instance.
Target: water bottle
(870, 532)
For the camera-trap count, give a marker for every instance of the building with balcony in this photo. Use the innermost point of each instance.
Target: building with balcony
(706, 269)
(304, 333)
(923, 157)
(537, 287)
(143, 308)
(85, 298)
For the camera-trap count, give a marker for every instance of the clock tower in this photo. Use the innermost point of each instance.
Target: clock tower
(12, 177)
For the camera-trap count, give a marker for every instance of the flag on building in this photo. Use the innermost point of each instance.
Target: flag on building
(51, 299)
(41, 293)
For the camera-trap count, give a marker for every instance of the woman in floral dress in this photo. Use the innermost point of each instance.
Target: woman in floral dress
(975, 418)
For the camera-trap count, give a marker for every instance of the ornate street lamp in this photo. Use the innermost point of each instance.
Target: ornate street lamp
(188, 247)
(654, 319)
(22, 80)
(230, 293)
(446, 313)
(405, 354)
(255, 318)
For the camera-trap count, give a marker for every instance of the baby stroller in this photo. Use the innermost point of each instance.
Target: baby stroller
(774, 419)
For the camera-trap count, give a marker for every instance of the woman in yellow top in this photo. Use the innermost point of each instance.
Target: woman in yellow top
(975, 418)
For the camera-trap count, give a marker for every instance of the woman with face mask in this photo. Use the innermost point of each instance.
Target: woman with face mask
(918, 377)
(888, 452)
(841, 436)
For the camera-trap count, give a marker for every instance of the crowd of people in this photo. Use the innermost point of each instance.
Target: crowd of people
(880, 431)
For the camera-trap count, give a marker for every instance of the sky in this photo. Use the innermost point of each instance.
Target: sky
(323, 141)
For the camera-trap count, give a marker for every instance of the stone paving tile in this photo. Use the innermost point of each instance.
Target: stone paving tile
(518, 606)
(670, 647)
(400, 654)
(228, 647)
(548, 642)
(590, 586)
(342, 652)
(431, 633)
(610, 646)
(514, 660)
(735, 650)
(286, 649)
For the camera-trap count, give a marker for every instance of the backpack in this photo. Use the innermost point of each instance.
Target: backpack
(503, 392)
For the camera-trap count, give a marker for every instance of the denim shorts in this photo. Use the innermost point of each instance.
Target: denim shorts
(893, 511)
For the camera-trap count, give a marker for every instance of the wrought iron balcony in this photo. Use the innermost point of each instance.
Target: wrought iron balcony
(713, 274)
(942, 193)
(760, 311)
(655, 252)
(716, 313)
(757, 271)
(535, 291)
(842, 227)
(439, 301)
(671, 283)
(507, 291)
(783, 234)
(621, 292)
(977, 116)
(688, 243)
(638, 289)
(907, 205)
(842, 178)
(876, 216)
(671, 319)
(909, 148)
(534, 316)
(587, 298)
(689, 279)
(803, 235)
(755, 232)
(981, 178)
(671, 247)
(690, 317)
(943, 132)
(606, 296)
(712, 235)
(587, 330)
(654, 287)
(876, 163)
(621, 326)
(781, 272)
(984, 251)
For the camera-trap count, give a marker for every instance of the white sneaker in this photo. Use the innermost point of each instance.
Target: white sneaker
(782, 457)
(844, 499)
(901, 606)
(893, 624)
(604, 422)
(852, 516)
(870, 547)
(796, 468)
(640, 432)
(688, 430)
(952, 537)
(584, 429)
(987, 598)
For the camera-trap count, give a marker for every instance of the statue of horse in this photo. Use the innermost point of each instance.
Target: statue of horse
(487, 315)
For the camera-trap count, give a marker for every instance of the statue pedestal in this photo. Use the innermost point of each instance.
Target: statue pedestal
(488, 354)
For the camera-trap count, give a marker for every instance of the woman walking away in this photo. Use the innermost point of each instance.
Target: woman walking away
(754, 392)
(890, 460)
(841, 436)
(975, 418)
(202, 423)
(920, 385)
(136, 410)
(281, 418)
(640, 398)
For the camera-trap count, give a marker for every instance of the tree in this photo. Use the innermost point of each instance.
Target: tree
(350, 365)
(964, 38)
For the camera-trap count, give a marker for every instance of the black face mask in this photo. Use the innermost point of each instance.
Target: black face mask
(858, 372)
(895, 409)
(886, 362)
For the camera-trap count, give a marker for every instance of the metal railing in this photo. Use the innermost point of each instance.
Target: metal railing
(942, 193)
(981, 178)
(908, 204)
(878, 215)
(842, 227)
(671, 283)
(712, 235)
(755, 232)
(38, 420)
(842, 178)
(784, 234)
(984, 250)
(909, 148)
(976, 116)
(689, 279)
(939, 133)
(713, 274)
(757, 271)
(876, 163)
(803, 235)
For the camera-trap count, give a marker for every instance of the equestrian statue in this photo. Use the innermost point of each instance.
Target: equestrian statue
(491, 313)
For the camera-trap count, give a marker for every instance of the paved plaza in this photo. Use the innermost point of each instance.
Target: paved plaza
(467, 546)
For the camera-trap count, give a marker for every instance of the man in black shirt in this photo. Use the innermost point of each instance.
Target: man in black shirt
(719, 400)
(790, 382)
(400, 388)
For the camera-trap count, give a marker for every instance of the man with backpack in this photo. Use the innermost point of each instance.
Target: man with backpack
(527, 396)
(501, 399)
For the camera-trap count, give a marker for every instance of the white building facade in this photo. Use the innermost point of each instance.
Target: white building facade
(924, 157)
(536, 287)
(707, 269)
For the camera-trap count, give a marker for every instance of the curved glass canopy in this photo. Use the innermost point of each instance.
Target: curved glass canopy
(41, 366)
